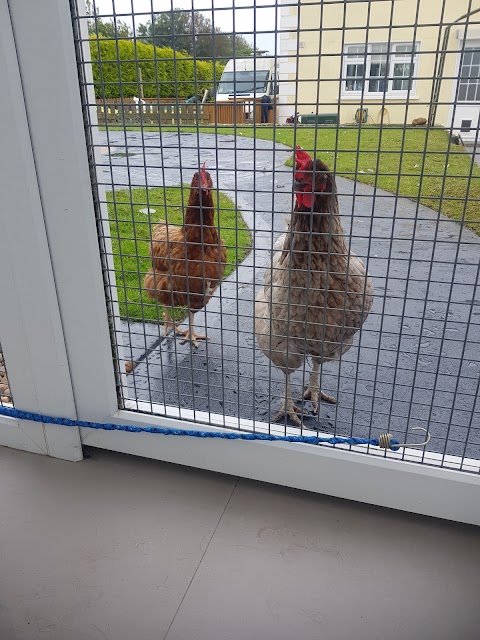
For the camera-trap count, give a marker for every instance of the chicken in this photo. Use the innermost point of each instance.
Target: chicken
(188, 262)
(317, 294)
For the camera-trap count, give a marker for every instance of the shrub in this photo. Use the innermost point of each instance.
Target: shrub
(165, 73)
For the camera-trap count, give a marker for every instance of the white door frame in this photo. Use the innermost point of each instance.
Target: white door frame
(53, 268)
(30, 325)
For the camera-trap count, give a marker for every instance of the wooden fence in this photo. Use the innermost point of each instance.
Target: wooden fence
(150, 114)
(156, 112)
(239, 112)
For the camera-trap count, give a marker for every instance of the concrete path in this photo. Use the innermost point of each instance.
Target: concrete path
(474, 151)
(418, 363)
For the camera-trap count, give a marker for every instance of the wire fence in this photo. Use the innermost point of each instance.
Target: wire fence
(267, 254)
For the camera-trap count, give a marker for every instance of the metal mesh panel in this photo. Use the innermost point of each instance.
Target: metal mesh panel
(378, 91)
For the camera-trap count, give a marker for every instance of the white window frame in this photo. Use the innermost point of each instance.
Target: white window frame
(469, 79)
(55, 331)
(393, 58)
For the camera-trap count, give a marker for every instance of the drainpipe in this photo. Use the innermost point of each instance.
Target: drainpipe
(439, 73)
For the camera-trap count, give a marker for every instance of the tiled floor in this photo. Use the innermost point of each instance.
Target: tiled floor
(122, 548)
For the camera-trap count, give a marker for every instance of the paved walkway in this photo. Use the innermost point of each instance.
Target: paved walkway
(474, 150)
(418, 364)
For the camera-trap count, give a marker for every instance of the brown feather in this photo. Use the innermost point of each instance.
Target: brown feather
(188, 262)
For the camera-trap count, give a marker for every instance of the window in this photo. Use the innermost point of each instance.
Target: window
(373, 70)
(469, 83)
(243, 82)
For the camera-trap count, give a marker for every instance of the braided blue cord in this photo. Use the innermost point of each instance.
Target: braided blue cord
(225, 435)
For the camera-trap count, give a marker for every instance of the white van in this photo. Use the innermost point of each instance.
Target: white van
(247, 78)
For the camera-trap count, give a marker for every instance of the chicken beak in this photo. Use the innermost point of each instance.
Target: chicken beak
(203, 178)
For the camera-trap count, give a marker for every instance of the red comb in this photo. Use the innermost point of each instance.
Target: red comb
(301, 157)
(203, 175)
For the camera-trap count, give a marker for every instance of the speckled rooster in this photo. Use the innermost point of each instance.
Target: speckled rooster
(317, 294)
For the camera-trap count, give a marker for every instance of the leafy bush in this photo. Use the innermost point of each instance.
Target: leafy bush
(165, 73)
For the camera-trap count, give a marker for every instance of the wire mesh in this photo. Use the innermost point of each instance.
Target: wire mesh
(387, 95)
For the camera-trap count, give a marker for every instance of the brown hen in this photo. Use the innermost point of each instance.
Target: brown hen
(188, 262)
(317, 294)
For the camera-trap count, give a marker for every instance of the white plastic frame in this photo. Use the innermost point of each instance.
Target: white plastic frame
(54, 326)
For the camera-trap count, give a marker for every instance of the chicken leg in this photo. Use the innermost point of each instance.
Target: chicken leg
(169, 323)
(312, 391)
(288, 408)
(189, 333)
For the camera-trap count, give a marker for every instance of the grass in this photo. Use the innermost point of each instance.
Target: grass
(409, 162)
(131, 233)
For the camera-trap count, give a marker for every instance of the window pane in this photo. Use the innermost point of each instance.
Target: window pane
(243, 82)
(402, 69)
(404, 49)
(470, 64)
(379, 48)
(467, 57)
(355, 70)
(378, 73)
(469, 74)
(400, 85)
(354, 85)
(355, 75)
(378, 70)
(377, 86)
(356, 50)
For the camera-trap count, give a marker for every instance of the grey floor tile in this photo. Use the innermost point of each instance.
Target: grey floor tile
(102, 549)
(287, 565)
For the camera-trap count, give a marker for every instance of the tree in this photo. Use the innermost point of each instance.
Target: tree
(194, 37)
(168, 30)
(110, 29)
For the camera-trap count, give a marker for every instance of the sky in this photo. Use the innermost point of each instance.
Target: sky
(244, 14)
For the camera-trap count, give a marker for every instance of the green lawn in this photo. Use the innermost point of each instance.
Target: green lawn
(131, 232)
(411, 161)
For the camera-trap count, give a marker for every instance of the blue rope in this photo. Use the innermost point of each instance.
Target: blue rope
(225, 435)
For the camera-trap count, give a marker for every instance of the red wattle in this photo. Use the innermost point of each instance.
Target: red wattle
(304, 199)
(307, 200)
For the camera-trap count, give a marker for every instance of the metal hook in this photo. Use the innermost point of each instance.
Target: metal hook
(417, 444)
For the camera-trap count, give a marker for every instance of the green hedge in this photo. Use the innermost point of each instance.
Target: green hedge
(118, 66)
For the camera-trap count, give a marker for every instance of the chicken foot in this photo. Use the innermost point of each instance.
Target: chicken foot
(312, 391)
(288, 408)
(190, 335)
